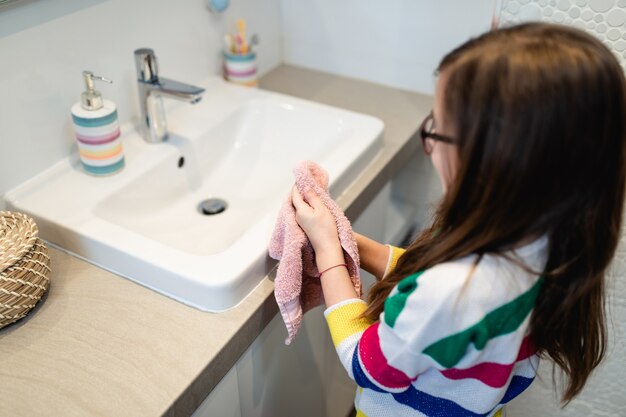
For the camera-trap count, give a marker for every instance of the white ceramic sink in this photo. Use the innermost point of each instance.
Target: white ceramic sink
(239, 145)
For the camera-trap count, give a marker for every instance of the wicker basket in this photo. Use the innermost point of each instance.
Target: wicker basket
(24, 266)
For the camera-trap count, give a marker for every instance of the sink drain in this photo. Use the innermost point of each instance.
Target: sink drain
(212, 206)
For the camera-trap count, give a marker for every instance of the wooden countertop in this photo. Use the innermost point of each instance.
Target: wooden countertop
(101, 345)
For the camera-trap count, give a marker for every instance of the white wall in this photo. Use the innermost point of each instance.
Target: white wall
(394, 42)
(44, 47)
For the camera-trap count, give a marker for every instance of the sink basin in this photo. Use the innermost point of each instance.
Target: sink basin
(238, 147)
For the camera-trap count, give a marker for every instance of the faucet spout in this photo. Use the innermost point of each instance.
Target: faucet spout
(152, 89)
(165, 87)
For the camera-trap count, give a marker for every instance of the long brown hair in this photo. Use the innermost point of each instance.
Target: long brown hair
(539, 115)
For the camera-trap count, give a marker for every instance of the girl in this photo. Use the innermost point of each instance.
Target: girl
(527, 135)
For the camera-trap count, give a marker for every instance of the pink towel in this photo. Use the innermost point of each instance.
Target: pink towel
(297, 288)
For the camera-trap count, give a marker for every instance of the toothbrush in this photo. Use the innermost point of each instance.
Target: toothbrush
(241, 26)
(238, 43)
(254, 41)
(228, 43)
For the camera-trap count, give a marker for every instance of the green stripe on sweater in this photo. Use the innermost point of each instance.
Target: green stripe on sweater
(395, 303)
(503, 320)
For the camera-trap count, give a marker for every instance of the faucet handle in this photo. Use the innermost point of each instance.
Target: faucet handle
(146, 64)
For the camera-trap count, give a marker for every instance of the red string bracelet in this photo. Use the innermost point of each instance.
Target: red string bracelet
(328, 269)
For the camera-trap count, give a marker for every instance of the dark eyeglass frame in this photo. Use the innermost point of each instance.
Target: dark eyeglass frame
(425, 134)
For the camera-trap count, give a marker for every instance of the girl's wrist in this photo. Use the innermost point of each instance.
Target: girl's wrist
(329, 257)
(330, 268)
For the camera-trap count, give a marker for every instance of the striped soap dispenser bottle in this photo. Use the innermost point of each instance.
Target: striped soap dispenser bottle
(97, 130)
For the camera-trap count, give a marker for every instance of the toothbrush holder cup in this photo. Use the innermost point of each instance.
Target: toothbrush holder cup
(241, 68)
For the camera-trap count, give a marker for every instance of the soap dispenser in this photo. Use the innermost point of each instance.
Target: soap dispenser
(97, 130)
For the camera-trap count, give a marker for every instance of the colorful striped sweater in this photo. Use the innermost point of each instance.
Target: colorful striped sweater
(445, 345)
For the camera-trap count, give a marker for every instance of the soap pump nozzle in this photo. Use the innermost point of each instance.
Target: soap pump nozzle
(91, 99)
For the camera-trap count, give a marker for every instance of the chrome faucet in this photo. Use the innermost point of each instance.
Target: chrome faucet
(152, 89)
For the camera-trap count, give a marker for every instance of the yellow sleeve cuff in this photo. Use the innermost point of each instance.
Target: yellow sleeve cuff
(394, 255)
(344, 321)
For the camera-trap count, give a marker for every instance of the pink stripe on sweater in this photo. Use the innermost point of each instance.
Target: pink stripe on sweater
(526, 350)
(492, 374)
(375, 362)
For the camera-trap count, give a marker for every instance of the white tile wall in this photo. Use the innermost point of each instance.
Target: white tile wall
(44, 48)
(605, 19)
(393, 42)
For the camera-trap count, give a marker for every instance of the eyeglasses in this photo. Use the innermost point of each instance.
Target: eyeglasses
(426, 132)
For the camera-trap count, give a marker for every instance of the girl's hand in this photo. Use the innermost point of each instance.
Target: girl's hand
(316, 221)
(320, 227)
